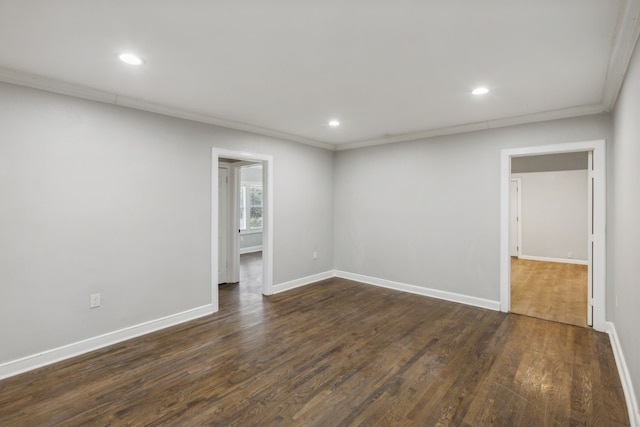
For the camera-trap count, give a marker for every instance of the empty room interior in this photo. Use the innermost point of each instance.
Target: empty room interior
(338, 213)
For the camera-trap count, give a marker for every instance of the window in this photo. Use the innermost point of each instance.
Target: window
(250, 207)
(255, 206)
(243, 208)
(250, 200)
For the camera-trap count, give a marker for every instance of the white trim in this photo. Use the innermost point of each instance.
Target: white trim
(590, 202)
(267, 221)
(625, 378)
(624, 41)
(228, 270)
(402, 287)
(519, 207)
(250, 249)
(563, 113)
(547, 259)
(233, 240)
(420, 290)
(626, 36)
(36, 81)
(79, 91)
(47, 357)
(599, 257)
(519, 181)
(303, 281)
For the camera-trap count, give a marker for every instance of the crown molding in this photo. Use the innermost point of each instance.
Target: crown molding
(79, 91)
(626, 37)
(196, 117)
(35, 81)
(84, 92)
(623, 43)
(562, 113)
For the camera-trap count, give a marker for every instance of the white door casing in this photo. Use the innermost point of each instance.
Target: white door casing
(590, 234)
(515, 218)
(233, 266)
(267, 210)
(597, 274)
(223, 208)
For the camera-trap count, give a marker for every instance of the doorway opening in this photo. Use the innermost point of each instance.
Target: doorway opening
(548, 237)
(242, 222)
(249, 189)
(520, 269)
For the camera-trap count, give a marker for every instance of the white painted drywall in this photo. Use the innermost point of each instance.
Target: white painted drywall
(251, 174)
(102, 198)
(427, 213)
(250, 242)
(624, 226)
(554, 214)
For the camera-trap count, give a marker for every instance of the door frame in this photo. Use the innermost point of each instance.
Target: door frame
(598, 147)
(267, 221)
(234, 243)
(519, 216)
(228, 170)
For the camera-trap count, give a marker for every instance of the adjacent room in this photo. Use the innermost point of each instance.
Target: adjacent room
(339, 213)
(549, 223)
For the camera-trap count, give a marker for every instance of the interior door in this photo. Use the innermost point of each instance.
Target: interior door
(514, 217)
(223, 209)
(590, 240)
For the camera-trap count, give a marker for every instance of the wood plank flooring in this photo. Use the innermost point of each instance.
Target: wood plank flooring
(549, 290)
(335, 353)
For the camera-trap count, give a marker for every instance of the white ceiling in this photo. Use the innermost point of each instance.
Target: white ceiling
(388, 70)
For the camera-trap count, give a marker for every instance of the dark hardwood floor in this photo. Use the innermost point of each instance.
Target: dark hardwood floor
(335, 353)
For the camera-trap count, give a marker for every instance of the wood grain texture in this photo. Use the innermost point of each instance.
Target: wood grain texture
(549, 290)
(335, 353)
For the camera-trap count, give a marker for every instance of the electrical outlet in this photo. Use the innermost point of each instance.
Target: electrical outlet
(315, 254)
(94, 301)
(570, 255)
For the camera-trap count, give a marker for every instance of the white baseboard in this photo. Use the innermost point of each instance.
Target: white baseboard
(562, 260)
(24, 364)
(250, 249)
(303, 281)
(625, 378)
(419, 290)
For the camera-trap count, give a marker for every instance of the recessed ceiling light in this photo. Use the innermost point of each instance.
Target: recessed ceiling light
(480, 91)
(131, 59)
(334, 123)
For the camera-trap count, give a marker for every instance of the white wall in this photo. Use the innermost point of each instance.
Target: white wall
(554, 214)
(250, 242)
(427, 213)
(623, 224)
(101, 198)
(251, 174)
